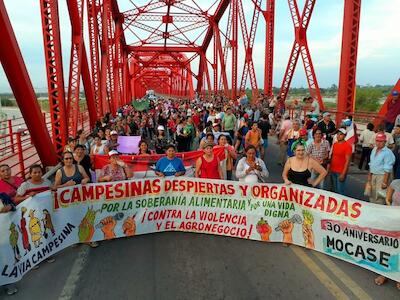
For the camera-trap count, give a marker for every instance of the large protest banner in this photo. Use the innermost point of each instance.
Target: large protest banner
(358, 232)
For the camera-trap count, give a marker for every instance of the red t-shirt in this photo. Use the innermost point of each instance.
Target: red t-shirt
(196, 119)
(11, 189)
(339, 152)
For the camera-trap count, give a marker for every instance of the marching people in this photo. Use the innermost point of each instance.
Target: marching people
(230, 156)
(393, 110)
(34, 185)
(298, 168)
(82, 159)
(253, 137)
(380, 168)
(229, 123)
(327, 126)
(251, 169)
(170, 165)
(319, 150)
(292, 135)
(70, 174)
(99, 148)
(143, 148)
(207, 165)
(367, 139)
(340, 161)
(160, 140)
(113, 142)
(284, 127)
(116, 170)
(9, 184)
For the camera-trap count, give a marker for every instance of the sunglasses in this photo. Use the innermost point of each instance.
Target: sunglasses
(68, 158)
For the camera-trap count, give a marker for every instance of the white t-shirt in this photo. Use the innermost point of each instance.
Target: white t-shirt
(28, 186)
(367, 138)
(315, 105)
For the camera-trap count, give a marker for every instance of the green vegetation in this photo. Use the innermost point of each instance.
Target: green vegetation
(368, 98)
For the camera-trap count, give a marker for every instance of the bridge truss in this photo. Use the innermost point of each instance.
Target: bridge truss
(120, 49)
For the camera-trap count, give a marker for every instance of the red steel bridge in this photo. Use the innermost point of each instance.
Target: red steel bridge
(130, 48)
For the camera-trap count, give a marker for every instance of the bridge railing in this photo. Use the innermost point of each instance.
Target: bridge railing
(16, 148)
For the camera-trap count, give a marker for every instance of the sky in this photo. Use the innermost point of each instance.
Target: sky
(378, 54)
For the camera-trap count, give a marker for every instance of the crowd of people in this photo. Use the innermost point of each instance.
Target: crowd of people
(313, 150)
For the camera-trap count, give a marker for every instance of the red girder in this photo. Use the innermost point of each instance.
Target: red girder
(300, 47)
(94, 32)
(248, 39)
(156, 17)
(348, 63)
(269, 16)
(227, 43)
(21, 85)
(55, 76)
(75, 8)
(161, 32)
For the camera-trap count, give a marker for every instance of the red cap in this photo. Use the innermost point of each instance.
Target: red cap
(303, 131)
(246, 116)
(380, 137)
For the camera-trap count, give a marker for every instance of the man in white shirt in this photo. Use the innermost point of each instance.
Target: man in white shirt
(315, 110)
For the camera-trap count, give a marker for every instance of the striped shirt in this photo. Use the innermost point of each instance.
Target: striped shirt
(319, 153)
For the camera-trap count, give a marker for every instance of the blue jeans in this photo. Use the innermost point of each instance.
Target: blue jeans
(314, 176)
(265, 143)
(338, 186)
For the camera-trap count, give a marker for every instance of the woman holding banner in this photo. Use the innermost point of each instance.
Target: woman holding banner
(116, 170)
(207, 166)
(230, 156)
(170, 165)
(251, 169)
(298, 168)
(70, 174)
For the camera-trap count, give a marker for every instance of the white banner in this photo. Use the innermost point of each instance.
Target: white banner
(358, 232)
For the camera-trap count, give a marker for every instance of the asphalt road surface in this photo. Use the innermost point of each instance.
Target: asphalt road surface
(198, 266)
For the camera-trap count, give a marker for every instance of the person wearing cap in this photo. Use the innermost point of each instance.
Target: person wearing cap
(160, 140)
(207, 166)
(327, 127)
(393, 110)
(340, 161)
(113, 142)
(170, 165)
(380, 168)
(116, 170)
